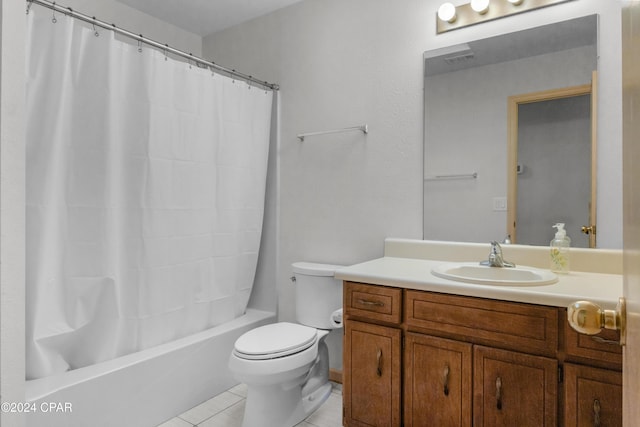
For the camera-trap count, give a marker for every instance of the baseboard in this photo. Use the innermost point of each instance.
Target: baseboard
(335, 376)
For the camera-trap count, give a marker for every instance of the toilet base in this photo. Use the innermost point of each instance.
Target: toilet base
(287, 396)
(272, 406)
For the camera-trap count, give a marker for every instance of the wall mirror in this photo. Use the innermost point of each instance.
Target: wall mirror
(477, 171)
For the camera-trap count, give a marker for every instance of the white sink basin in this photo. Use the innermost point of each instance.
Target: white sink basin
(473, 272)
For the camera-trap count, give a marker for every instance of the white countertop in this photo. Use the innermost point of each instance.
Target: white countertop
(411, 273)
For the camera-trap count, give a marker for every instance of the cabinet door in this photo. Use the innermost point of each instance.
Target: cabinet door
(371, 389)
(514, 389)
(437, 382)
(592, 396)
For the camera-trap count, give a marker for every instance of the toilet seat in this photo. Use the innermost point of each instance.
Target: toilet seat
(274, 341)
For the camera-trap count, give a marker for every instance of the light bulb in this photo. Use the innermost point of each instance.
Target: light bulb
(480, 6)
(447, 12)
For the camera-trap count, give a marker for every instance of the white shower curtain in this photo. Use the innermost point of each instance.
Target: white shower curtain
(145, 195)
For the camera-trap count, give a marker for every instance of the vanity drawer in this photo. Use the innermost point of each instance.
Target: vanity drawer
(508, 325)
(600, 350)
(373, 302)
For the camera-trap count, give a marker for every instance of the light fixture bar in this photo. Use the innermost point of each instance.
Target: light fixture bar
(465, 15)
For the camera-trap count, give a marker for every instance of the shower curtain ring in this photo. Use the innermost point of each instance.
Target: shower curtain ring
(95, 31)
(165, 51)
(53, 13)
(189, 59)
(29, 3)
(140, 44)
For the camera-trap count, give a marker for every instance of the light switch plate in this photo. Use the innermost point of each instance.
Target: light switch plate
(499, 204)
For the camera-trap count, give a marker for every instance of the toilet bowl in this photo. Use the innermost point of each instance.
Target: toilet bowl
(286, 365)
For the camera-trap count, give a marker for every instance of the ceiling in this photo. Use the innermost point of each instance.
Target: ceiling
(204, 17)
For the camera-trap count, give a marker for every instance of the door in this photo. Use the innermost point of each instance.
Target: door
(631, 211)
(552, 145)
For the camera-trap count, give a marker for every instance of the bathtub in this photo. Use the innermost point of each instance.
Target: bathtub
(141, 389)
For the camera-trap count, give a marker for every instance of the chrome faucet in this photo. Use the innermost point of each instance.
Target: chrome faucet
(495, 257)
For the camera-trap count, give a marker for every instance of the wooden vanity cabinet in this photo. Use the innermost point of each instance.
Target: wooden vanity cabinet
(450, 360)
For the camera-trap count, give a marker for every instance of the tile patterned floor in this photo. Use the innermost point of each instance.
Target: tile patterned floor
(226, 409)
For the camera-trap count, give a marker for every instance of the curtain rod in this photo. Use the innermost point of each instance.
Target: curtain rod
(140, 38)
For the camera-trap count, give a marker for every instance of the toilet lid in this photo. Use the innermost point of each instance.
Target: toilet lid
(275, 340)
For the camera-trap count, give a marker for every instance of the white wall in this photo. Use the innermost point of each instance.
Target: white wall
(343, 63)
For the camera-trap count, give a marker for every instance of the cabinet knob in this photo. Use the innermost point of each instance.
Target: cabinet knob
(589, 319)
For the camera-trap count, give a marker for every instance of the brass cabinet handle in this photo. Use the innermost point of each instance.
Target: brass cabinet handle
(367, 302)
(446, 380)
(379, 362)
(499, 393)
(596, 413)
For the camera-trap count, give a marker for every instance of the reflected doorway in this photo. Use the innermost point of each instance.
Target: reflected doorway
(552, 165)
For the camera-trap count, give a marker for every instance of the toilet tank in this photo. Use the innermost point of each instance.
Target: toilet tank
(318, 293)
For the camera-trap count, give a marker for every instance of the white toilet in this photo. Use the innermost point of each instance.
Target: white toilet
(286, 365)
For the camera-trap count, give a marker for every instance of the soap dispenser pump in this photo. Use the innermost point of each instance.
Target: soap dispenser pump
(560, 250)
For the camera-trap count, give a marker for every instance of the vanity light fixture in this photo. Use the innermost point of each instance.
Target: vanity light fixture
(450, 17)
(480, 6)
(447, 12)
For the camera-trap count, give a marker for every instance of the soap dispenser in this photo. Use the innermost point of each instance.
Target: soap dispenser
(560, 250)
